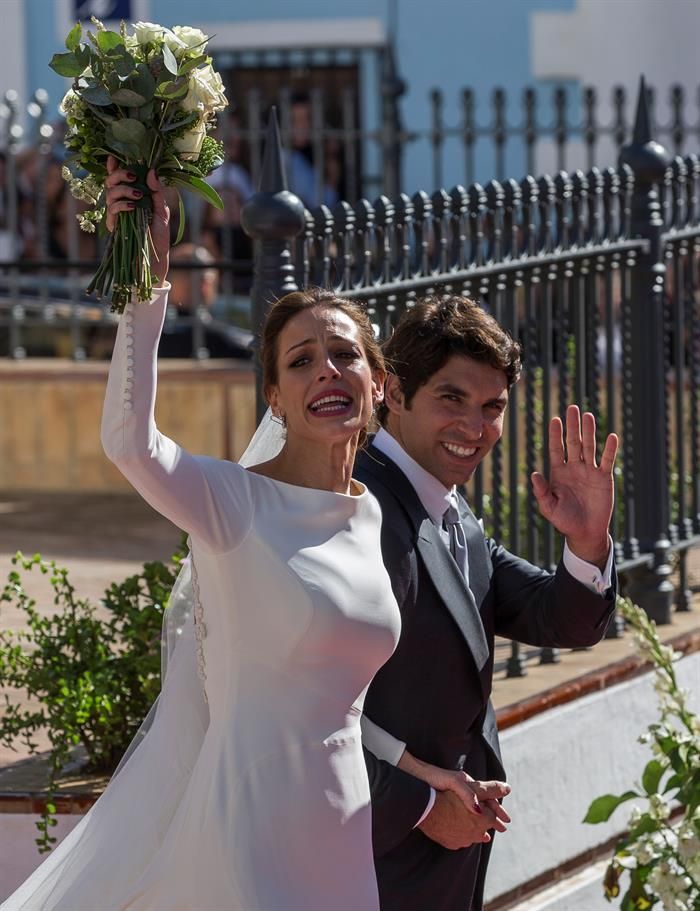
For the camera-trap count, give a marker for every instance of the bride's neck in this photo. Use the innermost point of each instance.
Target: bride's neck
(323, 467)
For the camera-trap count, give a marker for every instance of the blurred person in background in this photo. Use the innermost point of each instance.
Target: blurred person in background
(196, 288)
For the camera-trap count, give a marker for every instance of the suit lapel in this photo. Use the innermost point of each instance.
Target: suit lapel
(480, 568)
(439, 565)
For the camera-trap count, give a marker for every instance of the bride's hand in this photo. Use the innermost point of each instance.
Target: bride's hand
(473, 794)
(121, 196)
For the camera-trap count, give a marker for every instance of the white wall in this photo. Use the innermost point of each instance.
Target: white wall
(603, 43)
(558, 762)
(13, 70)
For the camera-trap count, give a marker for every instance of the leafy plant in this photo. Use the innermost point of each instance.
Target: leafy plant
(90, 678)
(661, 851)
(149, 99)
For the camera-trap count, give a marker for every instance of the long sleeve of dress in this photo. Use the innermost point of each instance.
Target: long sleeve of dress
(208, 498)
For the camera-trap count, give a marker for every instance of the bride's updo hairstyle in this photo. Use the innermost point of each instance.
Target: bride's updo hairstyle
(287, 307)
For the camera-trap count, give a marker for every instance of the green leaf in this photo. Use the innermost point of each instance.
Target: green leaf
(177, 88)
(66, 65)
(181, 123)
(83, 55)
(96, 94)
(652, 776)
(197, 185)
(193, 62)
(181, 217)
(603, 807)
(107, 40)
(169, 60)
(143, 82)
(128, 98)
(645, 825)
(128, 129)
(74, 36)
(121, 61)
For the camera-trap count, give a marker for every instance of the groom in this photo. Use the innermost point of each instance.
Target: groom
(451, 367)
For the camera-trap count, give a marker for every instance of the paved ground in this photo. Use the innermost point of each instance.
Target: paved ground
(102, 538)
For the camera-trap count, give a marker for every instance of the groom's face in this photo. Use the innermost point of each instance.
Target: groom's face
(453, 420)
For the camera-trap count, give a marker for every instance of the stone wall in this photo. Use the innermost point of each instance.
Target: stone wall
(50, 419)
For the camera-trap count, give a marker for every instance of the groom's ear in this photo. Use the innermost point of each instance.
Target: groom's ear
(393, 394)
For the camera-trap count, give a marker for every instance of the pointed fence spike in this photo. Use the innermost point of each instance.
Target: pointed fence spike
(642, 121)
(273, 175)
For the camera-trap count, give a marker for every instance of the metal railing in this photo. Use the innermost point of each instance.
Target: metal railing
(595, 273)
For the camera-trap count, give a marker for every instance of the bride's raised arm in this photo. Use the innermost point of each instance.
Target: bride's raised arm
(206, 497)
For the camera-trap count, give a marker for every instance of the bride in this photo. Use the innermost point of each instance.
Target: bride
(247, 789)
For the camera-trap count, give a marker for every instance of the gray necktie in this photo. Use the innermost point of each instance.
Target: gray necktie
(458, 544)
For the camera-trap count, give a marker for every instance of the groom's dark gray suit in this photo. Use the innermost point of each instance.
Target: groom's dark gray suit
(434, 692)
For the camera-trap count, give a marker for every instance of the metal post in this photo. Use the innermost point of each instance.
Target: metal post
(273, 217)
(651, 587)
(392, 88)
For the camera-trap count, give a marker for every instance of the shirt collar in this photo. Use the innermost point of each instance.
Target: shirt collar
(434, 496)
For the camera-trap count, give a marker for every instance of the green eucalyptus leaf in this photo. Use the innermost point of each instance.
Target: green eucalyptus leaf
(145, 112)
(102, 114)
(74, 36)
(652, 776)
(128, 98)
(66, 65)
(603, 807)
(128, 129)
(107, 41)
(83, 55)
(143, 82)
(121, 61)
(169, 60)
(96, 94)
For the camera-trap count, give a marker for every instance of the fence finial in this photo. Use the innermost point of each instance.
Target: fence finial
(273, 176)
(642, 119)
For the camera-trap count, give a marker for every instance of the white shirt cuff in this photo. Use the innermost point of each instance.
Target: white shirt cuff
(588, 574)
(431, 804)
(381, 742)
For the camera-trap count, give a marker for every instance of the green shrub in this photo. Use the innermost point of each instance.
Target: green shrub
(90, 679)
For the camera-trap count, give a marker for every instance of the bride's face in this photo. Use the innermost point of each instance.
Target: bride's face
(326, 388)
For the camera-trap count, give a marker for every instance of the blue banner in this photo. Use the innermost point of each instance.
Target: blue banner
(103, 9)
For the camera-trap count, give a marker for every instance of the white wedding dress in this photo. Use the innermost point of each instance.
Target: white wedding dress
(251, 795)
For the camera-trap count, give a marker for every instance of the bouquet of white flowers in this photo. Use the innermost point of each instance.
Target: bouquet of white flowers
(150, 99)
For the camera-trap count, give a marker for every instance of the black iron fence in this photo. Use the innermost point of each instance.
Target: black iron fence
(596, 273)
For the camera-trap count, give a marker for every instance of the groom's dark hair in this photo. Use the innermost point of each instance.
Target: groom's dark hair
(437, 327)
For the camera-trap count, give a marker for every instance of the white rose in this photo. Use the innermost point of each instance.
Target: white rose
(190, 37)
(189, 146)
(148, 32)
(205, 91)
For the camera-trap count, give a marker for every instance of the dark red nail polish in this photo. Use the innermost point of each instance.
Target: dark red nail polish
(131, 205)
(137, 193)
(130, 175)
(478, 809)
